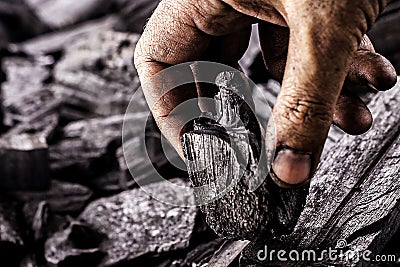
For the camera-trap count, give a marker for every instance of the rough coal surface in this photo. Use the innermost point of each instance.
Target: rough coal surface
(100, 65)
(11, 242)
(24, 162)
(76, 245)
(136, 224)
(61, 13)
(69, 198)
(25, 97)
(65, 92)
(61, 197)
(87, 146)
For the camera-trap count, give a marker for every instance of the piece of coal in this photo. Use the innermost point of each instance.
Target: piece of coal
(143, 157)
(11, 242)
(2, 79)
(111, 182)
(36, 221)
(62, 13)
(24, 163)
(235, 202)
(201, 254)
(77, 245)
(131, 157)
(88, 147)
(56, 42)
(26, 97)
(61, 197)
(225, 162)
(44, 126)
(36, 215)
(24, 77)
(136, 224)
(32, 107)
(100, 66)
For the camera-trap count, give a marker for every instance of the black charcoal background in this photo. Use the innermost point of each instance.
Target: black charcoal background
(66, 196)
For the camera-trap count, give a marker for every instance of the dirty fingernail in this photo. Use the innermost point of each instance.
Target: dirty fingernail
(291, 168)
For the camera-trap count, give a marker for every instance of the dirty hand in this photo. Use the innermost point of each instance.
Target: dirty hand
(326, 53)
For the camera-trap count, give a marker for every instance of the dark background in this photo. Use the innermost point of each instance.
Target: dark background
(66, 77)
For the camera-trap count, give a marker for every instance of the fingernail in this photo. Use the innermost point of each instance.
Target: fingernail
(291, 168)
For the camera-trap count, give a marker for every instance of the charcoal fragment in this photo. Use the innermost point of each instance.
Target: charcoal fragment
(88, 147)
(61, 197)
(136, 224)
(99, 67)
(62, 13)
(77, 245)
(11, 242)
(56, 42)
(24, 163)
(26, 98)
(36, 218)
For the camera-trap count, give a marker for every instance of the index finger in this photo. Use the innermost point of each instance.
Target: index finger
(179, 31)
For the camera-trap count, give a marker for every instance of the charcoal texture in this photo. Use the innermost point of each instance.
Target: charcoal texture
(61, 13)
(11, 236)
(24, 163)
(77, 245)
(136, 224)
(61, 197)
(68, 197)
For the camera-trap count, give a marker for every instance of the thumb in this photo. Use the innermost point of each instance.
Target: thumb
(315, 71)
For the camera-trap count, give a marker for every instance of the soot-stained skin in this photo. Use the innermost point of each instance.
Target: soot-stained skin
(311, 46)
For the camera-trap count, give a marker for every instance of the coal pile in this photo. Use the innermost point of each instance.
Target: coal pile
(66, 195)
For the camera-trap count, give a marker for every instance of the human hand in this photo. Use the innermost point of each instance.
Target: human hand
(326, 45)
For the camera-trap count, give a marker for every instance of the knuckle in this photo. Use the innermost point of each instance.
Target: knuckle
(208, 17)
(216, 18)
(305, 110)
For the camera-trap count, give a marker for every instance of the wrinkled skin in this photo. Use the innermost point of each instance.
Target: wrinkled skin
(313, 47)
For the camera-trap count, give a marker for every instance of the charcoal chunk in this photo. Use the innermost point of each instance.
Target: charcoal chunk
(11, 242)
(112, 182)
(135, 160)
(36, 218)
(33, 107)
(61, 197)
(201, 254)
(77, 245)
(26, 97)
(89, 146)
(137, 224)
(24, 77)
(44, 126)
(62, 13)
(2, 79)
(55, 42)
(100, 66)
(24, 163)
